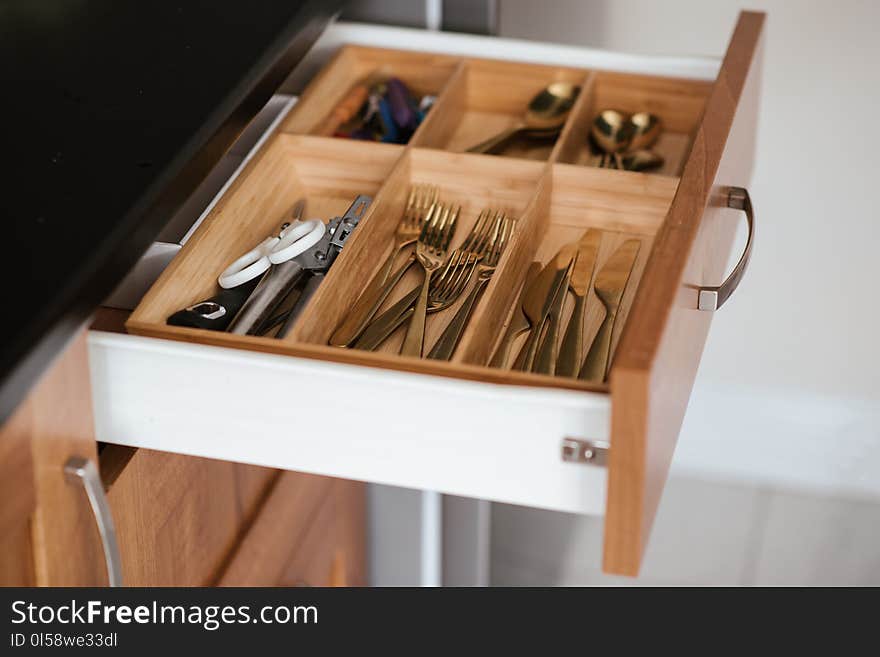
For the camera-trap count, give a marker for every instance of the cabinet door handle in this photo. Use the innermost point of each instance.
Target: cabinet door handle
(78, 470)
(710, 297)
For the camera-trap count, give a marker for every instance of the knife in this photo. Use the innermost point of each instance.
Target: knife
(545, 359)
(571, 350)
(537, 303)
(610, 285)
(519, 323)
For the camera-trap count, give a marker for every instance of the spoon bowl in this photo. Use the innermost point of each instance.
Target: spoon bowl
(645, 129)
(551, 107)
(612, 132)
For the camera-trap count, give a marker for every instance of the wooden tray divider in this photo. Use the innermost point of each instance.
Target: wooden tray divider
(572, 138)
(442, 119)
(364, 252)
(492, 314)
(318, 99)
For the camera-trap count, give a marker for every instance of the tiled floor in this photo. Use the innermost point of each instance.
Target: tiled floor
(706, 533)
(820, 541)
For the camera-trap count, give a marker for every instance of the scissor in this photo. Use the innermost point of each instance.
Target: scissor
(258, 315)
(240, 279)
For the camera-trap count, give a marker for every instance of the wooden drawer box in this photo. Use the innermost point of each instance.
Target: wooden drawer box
(310, 532)
(298, 404)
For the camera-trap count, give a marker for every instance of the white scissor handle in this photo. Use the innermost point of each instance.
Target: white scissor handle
(290, 242)
(297, 239)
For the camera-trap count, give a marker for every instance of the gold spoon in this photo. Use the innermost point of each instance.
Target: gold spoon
(612, 133)
(545, 117)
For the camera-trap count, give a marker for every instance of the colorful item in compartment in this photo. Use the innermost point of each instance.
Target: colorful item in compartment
(388, 112)
(389, 126)
(400, 103)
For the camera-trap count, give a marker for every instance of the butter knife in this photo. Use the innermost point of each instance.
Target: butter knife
(519, 323)
(610, 285)
(571, 350)
(545, 359)
(537, 303)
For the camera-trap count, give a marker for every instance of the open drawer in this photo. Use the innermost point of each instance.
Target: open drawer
(459, 426)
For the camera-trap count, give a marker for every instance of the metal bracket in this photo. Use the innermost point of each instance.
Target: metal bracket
(578, 450)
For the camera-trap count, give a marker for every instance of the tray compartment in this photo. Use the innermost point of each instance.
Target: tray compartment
(472, 181)
(490, 96)
(423, 74)
(328, 173)
(678, 102)
(624, 205)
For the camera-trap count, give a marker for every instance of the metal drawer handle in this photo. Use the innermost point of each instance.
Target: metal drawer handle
(712, 298)
(80, 470)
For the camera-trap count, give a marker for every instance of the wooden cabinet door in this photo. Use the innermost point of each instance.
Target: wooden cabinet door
(49, 534)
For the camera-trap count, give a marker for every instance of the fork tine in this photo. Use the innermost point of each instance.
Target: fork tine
(450, 264)
(429, 193)
(464, 261)
(435, 240)
(464, 275)
(505, 238)
(499, 236)
(470, 273)
(490, 232)
(463, 278)
(447, 231)
(498, 242)
(468, 243)
(439, 283)
(455, 262)
(417, 209)
(430, 223)
(430, 217)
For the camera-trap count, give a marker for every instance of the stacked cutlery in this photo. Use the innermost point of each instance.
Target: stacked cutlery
(541, 305)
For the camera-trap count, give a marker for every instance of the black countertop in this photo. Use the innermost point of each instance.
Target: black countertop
(112, 112)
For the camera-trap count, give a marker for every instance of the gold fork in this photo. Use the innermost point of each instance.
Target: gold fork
(502, 228)
(421, 198)
(446, 287)
(431, 253)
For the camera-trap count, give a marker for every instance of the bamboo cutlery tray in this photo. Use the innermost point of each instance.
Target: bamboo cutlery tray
(547, 186)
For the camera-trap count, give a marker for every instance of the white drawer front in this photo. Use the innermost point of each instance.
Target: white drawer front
(489, 441)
